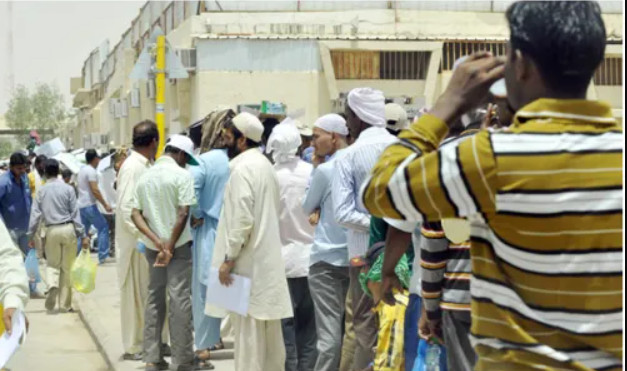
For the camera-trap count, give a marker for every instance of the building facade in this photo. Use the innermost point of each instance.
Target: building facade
(305, 54)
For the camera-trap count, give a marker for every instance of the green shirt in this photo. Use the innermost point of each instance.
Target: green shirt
(159, 193)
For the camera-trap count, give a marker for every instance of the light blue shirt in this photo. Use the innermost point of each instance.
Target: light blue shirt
(329, 238)
(210, 179)
(351, 170)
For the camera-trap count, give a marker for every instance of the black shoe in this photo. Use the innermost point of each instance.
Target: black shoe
(133, 357)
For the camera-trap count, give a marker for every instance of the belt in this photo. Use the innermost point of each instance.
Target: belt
(58, 224)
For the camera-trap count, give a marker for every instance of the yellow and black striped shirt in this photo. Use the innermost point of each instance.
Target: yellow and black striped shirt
(545, 203)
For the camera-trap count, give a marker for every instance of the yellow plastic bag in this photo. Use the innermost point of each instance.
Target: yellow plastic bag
(84, 273)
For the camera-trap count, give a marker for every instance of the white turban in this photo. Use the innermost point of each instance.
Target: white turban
(249, 125)
(284, 141)
(396, 113)
(369, 105)
(332, 123)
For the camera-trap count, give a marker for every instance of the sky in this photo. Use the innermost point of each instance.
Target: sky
(52, 39)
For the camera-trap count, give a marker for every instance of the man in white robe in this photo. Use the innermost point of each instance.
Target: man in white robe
(132, 265)
(247, 244)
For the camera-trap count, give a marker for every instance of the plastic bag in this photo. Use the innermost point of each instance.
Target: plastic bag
(421, 359)
(32, 266)
(84, 273)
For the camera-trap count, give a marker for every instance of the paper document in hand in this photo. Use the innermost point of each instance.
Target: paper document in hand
(10, 343)
(234, 298)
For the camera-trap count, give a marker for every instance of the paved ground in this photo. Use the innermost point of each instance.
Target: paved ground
(58, 342)
(100, 311)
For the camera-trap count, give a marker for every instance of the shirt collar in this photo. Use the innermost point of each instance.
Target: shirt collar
(371, 132)
(167, 160)
(567, 110)
(141, 158)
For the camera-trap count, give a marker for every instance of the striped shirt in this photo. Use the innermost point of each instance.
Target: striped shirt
(545, 203)
(350, 172)
(445, 272)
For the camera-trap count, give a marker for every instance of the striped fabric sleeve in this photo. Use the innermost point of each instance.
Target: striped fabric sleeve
(413, 181)
(433, 258)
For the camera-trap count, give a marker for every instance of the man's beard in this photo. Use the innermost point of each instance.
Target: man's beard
(232, 151)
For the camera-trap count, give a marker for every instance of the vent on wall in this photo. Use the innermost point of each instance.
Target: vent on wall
(610, 72)
(188, 58)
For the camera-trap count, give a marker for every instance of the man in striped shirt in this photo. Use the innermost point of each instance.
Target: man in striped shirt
(544, 198)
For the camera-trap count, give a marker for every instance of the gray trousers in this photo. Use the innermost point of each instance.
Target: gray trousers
(299, 332)
(460, 355)
(175, 279)
(328, 285)
(364, 322)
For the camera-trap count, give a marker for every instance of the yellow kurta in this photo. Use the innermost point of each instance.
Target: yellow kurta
(132, 265)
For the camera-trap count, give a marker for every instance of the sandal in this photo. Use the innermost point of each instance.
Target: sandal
(218, 346)
(202, 364)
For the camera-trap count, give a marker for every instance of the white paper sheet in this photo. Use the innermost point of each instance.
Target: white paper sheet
(9, 344)
(234, 298)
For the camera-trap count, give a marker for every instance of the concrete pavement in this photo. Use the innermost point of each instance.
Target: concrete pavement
(56, 342)
(100, 311)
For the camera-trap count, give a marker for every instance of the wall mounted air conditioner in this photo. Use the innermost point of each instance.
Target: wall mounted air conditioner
(135, 98)
(150, 89)
(188, 58)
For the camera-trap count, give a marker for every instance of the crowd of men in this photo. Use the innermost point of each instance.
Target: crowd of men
(492, 224)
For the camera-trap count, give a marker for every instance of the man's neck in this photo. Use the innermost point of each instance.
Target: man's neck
(143, 151)
(92, 165)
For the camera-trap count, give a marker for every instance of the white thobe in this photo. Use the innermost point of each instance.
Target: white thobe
(132, 266)
(248, 232)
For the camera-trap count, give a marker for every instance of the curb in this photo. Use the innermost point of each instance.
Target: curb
(94, 328)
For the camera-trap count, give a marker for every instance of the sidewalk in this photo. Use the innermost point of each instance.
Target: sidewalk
(100, 311)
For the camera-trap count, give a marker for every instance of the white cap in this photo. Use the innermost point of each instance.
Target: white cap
(303, 128)
(498, 89)
(332, 123)
(184, 144)
(249, 125)
(368, 104)
(396, 113)
(284, 141)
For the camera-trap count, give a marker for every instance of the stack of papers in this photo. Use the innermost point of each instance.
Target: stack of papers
(234, 298)
(10, 343)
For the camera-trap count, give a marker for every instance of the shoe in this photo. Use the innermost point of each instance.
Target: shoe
(51, 299)
(161, 366)
(166, 351)
(37, 295)
(133, 357)
(107, 260)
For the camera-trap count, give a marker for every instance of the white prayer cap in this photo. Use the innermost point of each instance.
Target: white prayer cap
(332, 123)
(284, 141)
(396, 113)
(369, 105)
(249, 125)
(303, 129)
(498, 89)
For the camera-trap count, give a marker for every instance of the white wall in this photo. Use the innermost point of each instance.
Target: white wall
(611, 94)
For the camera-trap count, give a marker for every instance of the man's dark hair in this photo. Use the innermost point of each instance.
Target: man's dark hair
(17, 159)
(268, 126)
(51, 168)
(144, 133)
(66, 173)
(238, 134)
(39, 159)
(565, 39)
(90, 155)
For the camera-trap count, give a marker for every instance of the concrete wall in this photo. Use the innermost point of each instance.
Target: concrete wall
(297, 90)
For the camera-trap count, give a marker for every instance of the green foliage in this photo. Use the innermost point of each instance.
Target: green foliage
(40, 109)
(7, 148)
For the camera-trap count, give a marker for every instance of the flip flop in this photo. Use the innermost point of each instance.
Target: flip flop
(218, 346)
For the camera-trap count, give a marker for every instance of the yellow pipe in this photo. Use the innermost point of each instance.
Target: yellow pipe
(160, 92)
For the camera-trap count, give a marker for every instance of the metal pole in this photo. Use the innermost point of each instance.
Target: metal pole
(160, 92)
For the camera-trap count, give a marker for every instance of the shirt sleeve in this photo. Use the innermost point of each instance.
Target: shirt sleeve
(238, 214)
(79, 229)
(199, 174)
(186, 194)
(125, 202)
(14, 291)
(315, 193)
(92, 175)
(344, 194)
(414, 181)
(35, 215)
(433, 258)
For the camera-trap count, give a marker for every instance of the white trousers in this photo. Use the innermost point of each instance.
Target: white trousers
(258, 344)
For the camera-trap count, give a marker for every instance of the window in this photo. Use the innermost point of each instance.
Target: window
(453, 50)
(380, 65)
(610, 72)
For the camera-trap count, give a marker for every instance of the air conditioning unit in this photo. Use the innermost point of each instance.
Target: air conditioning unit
(150, 88)
(104, 139)
(188, 58)
(112, 105)
(124, 108)
(118, 109)
(134, 98)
